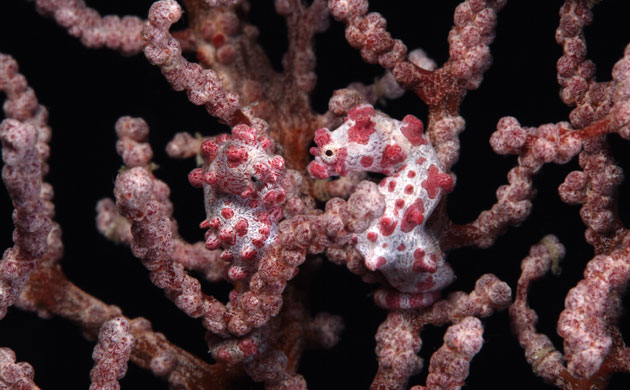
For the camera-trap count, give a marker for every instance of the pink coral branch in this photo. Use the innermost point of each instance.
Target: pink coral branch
(138, 197)
(450, 363)
(266, 231)
(24, 150)
(203, 85)
(194, 257)
(599, 202)
(184, 145)
(94, 30)
(111, 354)
(540, 353)
(15, 375)
(49, 293)
(576, 73)
(591, 309)
(398, 340)
(559, 143)
(535, 147)
(302, 24)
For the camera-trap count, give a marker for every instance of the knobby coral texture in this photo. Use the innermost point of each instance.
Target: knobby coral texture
(292, 194)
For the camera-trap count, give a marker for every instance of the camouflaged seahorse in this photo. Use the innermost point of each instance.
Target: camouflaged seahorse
(396, 243)
(243, 196)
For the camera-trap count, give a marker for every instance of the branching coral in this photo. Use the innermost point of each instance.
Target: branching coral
(251, 302)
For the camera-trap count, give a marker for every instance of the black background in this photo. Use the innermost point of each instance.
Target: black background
(86, 90)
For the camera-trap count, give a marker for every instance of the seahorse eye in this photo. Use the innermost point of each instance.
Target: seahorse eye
(256, 180)
(328, 152)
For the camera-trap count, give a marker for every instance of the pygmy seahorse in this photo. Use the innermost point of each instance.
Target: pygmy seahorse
(397, 242)
(241, 179)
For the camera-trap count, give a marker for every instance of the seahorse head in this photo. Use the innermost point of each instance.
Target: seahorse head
(367, 141)
(244, 165)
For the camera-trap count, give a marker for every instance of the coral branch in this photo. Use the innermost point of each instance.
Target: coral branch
(302, 24)
(24, 150)
(193, 257)
(398, 341)
(203, 85)
(94, 30)
(540, 353)
(449, 365)
(576, 73)
(535, 147)
(111, 354)
(272, 216)
(50, 293)
(15, 375)
(138, 197)
(591, 308)
(184, 145)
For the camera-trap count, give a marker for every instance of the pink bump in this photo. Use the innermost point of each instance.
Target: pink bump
(244, 133)
(322, 137)
(228, 236)
(265, 143)
(195, 177)
(413, 216)
(437, 180)
(262, 216)
(318, 171)
(392, 155)
(218, 40)
(361, 130)
(264, 231)
(241, 227)
(277, 163)
(422, 263)
(248, 347)
(360, 111)
(222, 138)
(236, 273)
(215, 223)
(209, 150)
(367, 161)
(236, 155)
(259, 241)
(387, 226)
(412, 128)
(248, 253)
(226, 256)
(212, 242)
(380, 261)
(427, 284)
(227, 213)
(371, 236)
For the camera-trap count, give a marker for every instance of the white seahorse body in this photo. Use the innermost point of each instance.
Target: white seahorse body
(242, 183)
(396, 243)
